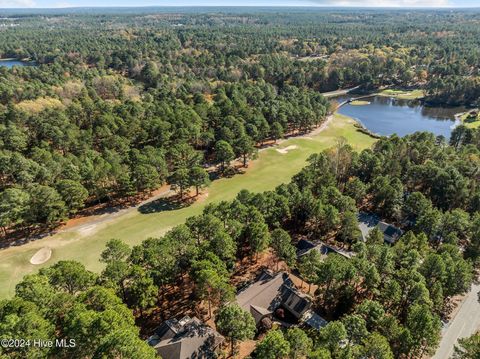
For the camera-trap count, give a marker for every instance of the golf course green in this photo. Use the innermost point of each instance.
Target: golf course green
(274, 166)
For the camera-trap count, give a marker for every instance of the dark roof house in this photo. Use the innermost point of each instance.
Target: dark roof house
(367, 221)
(264, 296)
(186, 338)
(304, 246)
(297, 303)
(271, 292)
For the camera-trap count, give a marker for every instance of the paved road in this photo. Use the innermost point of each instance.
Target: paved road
(465, 323)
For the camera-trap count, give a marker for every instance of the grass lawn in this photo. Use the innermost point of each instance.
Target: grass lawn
(470, 122)
(268, 171)
(359, 103)
(402, 95)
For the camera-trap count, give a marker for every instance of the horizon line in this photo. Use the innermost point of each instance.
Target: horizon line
(243, 6)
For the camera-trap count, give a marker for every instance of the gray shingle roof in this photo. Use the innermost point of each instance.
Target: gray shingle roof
(367, 221)
(270, 292)
(185, 339)
(264, 295)
(304, 246)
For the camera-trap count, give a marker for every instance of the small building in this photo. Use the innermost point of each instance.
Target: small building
(271, 292)
(367, 222)
(186, 338)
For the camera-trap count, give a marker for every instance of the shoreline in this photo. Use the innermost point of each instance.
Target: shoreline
(461, 118)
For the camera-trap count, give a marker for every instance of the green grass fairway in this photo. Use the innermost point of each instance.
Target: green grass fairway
(402, 95)
(360, 103)
(268, 171)
(470, 122)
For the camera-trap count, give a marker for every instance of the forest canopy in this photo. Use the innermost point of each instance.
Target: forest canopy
(122, 102)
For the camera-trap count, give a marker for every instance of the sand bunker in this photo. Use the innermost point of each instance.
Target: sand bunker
(41, 256)
(285, 150)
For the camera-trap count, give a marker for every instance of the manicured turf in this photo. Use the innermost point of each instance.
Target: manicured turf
(359, 103)
(268, 171)
(402, 94)
(470, 122)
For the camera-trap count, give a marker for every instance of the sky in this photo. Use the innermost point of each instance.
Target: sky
(346, 3)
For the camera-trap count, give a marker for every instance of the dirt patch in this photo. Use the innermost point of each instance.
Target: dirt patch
(322, 127)
(87, 230)
(245, 349)
(42, 256)
(285, 150)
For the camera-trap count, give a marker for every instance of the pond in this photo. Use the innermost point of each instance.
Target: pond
(386, 116)
(15, 62)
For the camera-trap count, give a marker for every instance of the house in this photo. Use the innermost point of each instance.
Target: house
(264, 296)
(185, 339)
(304, 246)
(271, 292)
(367, 221)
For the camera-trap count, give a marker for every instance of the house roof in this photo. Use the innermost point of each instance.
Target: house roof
(313, 320)
(270, 292)
(185, 339)
(304, 246)
(264, 295)
(169, 328)
(296, 302)
(367, 221)
(259, 313)
(390, 232)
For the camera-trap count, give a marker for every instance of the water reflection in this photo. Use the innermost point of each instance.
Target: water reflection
(13, 62)
(386, 116)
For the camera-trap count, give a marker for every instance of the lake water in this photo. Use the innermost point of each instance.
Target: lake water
(386, 116)
(11, 63)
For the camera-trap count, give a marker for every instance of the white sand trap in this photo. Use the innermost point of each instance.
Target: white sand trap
(285, 150)
(41, 256)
